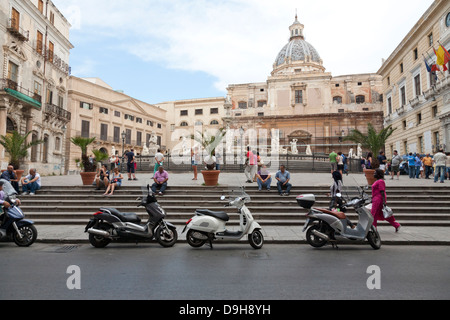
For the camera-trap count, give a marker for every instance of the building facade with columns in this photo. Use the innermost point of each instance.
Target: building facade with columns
(35, 49)
(117, 121)
(416, 101)
(306, 103)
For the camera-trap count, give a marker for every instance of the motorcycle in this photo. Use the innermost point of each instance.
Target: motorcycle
(13, 225)
(109, 224)
(325, 226)
(208, 225)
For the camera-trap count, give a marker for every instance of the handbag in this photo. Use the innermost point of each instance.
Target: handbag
(387, 212)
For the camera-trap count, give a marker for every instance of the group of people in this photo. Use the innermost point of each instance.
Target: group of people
(338, 162)
(420, 166)
(30, 183)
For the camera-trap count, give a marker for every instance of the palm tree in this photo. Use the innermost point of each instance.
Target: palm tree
(17, 147)
(372, 141)
(208, 141)
(83, 143)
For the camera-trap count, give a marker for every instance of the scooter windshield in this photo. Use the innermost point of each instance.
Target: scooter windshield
(238, 193)
(8, 188)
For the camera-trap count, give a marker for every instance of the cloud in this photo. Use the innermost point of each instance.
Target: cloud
(238, 41)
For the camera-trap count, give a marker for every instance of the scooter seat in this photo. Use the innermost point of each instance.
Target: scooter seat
(124, 217)
(339, 215)
(219, 215)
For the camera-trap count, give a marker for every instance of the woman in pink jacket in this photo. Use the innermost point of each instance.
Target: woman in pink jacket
(379, 199)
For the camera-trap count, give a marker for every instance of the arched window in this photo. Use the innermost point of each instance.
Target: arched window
(184, 124)
(198, 123)
(214, 123)
(360, 99)
(337, 100)
(10, 126)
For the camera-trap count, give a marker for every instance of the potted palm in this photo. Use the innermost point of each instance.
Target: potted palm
(17, 147)
(209, 143)
(374, 142)
(89, 168)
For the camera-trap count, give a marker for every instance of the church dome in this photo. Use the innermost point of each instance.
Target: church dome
(298, 49)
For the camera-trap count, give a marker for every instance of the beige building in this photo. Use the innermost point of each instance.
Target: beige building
(35, 48)
(305, 102)
(184, 117)
(108, 115)
(417, 102)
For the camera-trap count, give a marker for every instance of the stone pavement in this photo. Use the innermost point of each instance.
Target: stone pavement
(272, 234)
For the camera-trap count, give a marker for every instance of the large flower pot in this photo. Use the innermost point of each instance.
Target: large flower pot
(369, 176)
(211, 177)
(88, 178)
(19, 173)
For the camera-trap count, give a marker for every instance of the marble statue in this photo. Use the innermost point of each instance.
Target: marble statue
(294, 149)
(308, 151)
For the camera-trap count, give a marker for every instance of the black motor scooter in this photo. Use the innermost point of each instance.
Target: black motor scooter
(109, 224)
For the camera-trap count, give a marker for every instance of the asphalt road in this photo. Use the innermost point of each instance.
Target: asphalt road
(229, 272)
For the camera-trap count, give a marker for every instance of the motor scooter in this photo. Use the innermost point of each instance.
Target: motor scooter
(13, 225)
(208, 225)
(325, 226)
(109, 224)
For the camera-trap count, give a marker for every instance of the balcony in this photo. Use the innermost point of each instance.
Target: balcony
(13, 89)
(14, 28)
(57, 112)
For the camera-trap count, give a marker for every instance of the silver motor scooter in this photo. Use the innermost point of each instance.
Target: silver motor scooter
(324, 226)
(208, 225)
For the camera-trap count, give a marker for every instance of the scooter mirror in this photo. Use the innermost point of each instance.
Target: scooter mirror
(222, 198)
(339, 195)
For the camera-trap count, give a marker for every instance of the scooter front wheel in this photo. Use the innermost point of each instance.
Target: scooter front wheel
(256, 239)
(166, 237)
(193, 241)
(374, 238)
(29, 235)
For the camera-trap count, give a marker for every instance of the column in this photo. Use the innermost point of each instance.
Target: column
(3, 107)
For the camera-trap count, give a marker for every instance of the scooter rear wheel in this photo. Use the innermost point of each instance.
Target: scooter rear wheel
(194, 242)
(314, 240)
(99, 241)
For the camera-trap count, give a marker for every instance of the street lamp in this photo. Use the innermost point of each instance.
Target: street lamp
(124, 135)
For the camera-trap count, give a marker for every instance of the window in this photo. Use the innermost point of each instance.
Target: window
(150, 123)
(214, 111)
(417, 86)
(214, 123)
(39, 42)
(389, 103)
(337, 100)
(433, 78)
(298, 96)
(138, 120)
(198, 112)
(420, 144)
(430, 39)
(389, 81)
(260, 114)
(434, 111)
(337, 85)
(198, 123)
(116, 134)
(60, 101)
(103, 132)
(139, 138)
(184, 124)
(49, 96)
(57, 144)
(15, 19)
(85, 105)
(128, 136)
(436, 140)
(41, 6)
(117, 114)
(52, 17)
(129, 117)
(51, 49)
(416, 54)
(103, 110)
(159, 125)
(85, 128)
(419, 118)
(404, 125)
(13, 72)
(401, 67)
(403, 96)
(242, 105)
(37, 88)
(184, 113)
(359, 83)
(262, 103)
(360, 99)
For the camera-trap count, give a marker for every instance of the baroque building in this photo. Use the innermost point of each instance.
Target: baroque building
(416, 101)
(35, 49)
(305, 102)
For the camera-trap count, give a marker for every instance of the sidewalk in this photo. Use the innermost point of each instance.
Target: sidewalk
(272, 234)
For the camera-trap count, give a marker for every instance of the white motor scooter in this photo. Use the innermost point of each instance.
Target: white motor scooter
(208, 225)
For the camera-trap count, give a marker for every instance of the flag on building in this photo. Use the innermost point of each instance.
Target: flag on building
(442, 56)
(426, 65)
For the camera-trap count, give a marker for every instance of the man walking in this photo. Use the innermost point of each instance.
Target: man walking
(428, 164)
(333, 161)
(395, 165)
(439, 159)
(251, 168)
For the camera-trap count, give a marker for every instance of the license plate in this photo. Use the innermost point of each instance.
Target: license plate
(306, 224)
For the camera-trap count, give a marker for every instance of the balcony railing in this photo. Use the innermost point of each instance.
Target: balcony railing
(57, 112)
(10, 84)
(15, 29)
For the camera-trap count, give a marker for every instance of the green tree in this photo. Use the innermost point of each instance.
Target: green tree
(373, 141)
(17, 147)
(83, 143)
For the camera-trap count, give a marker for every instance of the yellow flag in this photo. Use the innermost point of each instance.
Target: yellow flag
(440, 54)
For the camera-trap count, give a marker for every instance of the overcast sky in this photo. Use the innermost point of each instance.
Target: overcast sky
(164, 50)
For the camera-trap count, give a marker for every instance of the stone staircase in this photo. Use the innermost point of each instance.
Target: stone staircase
(63, 205)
